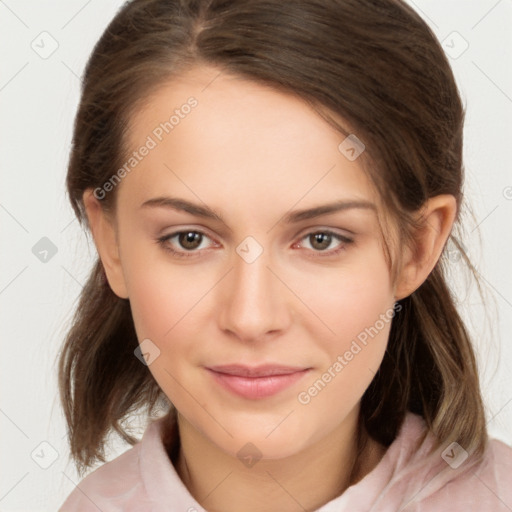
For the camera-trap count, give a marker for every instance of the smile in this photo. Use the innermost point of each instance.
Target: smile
(256, 383)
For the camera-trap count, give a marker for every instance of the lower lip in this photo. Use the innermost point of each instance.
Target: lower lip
(257, 387)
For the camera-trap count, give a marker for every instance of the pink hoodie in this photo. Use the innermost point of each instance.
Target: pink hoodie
(144, 479)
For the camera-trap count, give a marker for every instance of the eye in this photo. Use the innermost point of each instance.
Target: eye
(321, 240)
(186, 244)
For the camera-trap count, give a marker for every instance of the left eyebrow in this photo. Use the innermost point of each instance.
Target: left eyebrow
(290, 218)
(317, 211)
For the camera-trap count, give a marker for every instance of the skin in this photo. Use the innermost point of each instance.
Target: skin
(253, 155)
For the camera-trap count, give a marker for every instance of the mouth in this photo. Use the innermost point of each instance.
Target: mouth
(256, 382)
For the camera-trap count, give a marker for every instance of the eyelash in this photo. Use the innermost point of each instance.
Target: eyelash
(163, 242)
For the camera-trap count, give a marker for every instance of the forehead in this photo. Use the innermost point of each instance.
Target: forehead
(220, 135)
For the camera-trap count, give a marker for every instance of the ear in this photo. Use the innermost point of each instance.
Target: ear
(436, 219)
(103, 230)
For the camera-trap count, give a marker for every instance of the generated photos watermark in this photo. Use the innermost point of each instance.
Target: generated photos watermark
(356, 346)
(152, 141)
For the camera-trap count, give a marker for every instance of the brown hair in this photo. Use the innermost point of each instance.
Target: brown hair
(373, 63)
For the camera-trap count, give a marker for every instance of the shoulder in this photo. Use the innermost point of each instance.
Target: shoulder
(450, 479)
(483, 486)
(117, 484)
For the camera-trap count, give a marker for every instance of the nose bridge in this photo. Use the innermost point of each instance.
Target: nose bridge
(255, 302)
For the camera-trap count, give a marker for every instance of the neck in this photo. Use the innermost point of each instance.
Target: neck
(221, 483)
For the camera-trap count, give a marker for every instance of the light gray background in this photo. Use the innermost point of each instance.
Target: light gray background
(38, 100)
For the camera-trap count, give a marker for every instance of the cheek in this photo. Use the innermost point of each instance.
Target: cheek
(165, 301)
(356, 310)
(338, 387)
(162, 293)
(348, 300)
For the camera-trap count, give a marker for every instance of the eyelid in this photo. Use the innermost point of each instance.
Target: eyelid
(345, 233)
(343, 239)
(164, 239)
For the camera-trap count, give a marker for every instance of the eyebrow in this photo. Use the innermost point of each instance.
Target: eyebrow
(290, 218)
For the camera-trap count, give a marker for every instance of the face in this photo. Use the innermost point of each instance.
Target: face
(228, 271)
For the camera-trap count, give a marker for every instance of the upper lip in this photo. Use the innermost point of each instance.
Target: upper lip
(256, 371)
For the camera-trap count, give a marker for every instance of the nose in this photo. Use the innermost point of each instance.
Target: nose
(255, 301)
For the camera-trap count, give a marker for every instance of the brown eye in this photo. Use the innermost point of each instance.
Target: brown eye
(184, 243)
(320, 241)
(190, 239)
(325, 242)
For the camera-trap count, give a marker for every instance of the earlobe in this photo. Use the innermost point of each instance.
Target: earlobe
(104, 235)
(436, 219)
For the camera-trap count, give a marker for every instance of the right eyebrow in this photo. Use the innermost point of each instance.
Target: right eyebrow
(183, 205)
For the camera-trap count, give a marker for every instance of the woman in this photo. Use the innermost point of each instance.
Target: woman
(270, 187)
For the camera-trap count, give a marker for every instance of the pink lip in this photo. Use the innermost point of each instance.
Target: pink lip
(256, 382)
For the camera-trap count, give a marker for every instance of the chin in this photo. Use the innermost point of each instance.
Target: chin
(270, 441)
